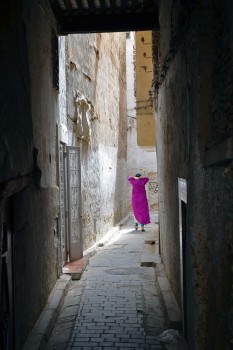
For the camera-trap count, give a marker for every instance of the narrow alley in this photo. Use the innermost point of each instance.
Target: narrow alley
(116, 304)
(119, 303)
(91, 94)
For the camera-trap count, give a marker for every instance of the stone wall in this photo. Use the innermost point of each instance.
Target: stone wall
(28, 112)
(96, 121)
(193, 129)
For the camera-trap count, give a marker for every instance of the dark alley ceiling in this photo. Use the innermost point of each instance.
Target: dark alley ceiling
(84, 16)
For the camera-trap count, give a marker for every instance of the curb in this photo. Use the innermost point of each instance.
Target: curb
(43, 328)
(172, 312)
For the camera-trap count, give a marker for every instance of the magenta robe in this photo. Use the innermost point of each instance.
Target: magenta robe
(139, 200)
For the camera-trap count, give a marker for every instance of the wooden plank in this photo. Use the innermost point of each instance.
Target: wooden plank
(80, 6)
(102, 6)
(54, 5)
(123, 5)
(146, 5)
(68, 6)
(134, 6)
(113, 6)
(91, 6)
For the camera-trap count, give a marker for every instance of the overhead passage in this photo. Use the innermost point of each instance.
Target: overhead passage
(85, 16)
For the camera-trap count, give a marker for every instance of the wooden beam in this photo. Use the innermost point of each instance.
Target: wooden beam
(103, 23)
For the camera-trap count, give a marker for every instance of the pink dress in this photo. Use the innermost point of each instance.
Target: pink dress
(139, 200)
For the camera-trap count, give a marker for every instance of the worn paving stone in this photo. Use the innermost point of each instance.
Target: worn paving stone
(61, 346)
(118, 307)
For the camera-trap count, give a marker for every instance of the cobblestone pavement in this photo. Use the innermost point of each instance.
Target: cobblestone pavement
(115, 304)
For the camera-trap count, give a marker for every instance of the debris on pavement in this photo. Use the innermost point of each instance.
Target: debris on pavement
(173, 340)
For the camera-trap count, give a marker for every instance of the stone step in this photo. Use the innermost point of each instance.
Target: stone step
(150, 255)
(76, 268)
(42, 330)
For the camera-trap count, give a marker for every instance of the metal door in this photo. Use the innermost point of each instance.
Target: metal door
(70, 204)
(74, 203)
(63, 206)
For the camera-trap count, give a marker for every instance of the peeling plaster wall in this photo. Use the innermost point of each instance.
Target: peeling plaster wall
(189, 104)
(28, 112)
(96, 121)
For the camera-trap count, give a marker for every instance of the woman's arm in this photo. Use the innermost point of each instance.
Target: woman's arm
(145, 179)
(131, 179)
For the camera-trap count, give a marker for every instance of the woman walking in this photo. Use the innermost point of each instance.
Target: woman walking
(139, 200)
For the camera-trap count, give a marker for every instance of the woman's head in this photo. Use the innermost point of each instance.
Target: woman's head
(138, 175)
